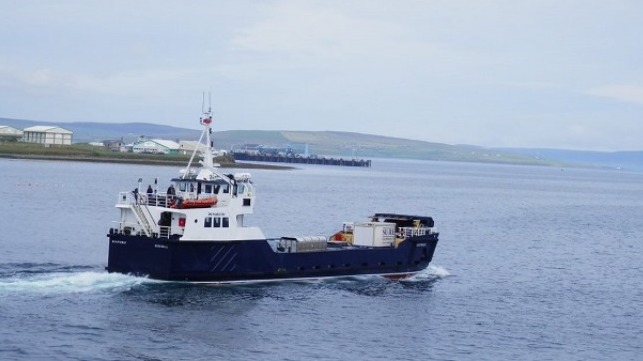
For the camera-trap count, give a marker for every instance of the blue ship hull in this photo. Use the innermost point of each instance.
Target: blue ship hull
(255, 260)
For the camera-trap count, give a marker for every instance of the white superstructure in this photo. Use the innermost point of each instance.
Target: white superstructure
(201, 204)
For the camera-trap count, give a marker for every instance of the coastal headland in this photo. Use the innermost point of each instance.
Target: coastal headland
(88, 153)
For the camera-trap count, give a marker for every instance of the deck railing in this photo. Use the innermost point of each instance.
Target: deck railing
(415, 231)
(159, 199)
(129, 228)
(151, 199)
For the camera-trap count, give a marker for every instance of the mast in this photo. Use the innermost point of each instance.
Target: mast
(205, 120)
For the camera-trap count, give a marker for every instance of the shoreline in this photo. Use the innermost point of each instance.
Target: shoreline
(134, 161)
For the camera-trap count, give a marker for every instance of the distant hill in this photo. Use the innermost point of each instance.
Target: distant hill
(632, 160)
(347, 144)
(85, 132)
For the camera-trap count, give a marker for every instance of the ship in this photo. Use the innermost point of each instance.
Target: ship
(196, 231)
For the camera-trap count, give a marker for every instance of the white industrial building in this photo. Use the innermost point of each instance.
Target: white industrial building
(8, 133)
(188, 147)
(47, 135)
(156, 146)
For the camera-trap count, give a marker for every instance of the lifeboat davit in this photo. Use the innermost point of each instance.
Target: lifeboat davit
(198, 203)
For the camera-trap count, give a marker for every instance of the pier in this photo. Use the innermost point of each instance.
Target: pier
(298, 159)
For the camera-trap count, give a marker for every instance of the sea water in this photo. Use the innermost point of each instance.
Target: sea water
(533, 263)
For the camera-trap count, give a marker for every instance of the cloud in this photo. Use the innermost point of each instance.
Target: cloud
(313, 30)
(313, 34)
(124, 82)
(623, 93)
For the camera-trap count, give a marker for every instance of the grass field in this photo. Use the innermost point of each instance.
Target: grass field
(86, 152)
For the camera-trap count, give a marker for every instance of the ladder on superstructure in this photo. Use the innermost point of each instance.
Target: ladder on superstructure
(143, 220)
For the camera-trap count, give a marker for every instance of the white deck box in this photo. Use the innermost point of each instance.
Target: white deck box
(374, 234)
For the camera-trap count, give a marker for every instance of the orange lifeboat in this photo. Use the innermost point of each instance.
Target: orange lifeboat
(198, 203)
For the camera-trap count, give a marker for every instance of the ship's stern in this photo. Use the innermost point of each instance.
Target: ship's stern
(139, 256)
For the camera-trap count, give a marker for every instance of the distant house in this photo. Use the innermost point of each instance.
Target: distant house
(47, 135)
(156, 146)
(115, 145)
(9, 134)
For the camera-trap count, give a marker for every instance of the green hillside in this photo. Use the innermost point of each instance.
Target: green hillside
(322, 143)
(343, 144)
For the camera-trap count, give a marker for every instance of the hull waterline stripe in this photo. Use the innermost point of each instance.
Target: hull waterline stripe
(275, 280)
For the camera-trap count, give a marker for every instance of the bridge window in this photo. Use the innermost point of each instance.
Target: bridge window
(208, 188)
(226, 188)
(216, 222)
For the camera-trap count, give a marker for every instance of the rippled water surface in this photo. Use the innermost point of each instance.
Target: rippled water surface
(533, 264)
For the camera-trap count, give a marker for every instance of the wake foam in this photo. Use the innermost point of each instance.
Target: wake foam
(430, 273)
(57, 282)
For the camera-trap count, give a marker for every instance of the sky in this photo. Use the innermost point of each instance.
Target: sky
(496, 73)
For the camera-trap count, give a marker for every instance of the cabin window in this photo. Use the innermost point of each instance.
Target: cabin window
(226, 188)
(226, 222)
(207, 222)
(241, 189)
(216, 222)
(246, 202)
(182, 186)
(208, 188)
